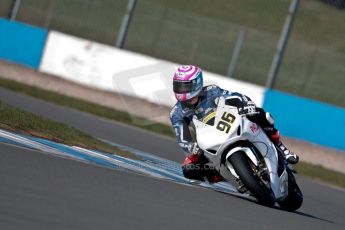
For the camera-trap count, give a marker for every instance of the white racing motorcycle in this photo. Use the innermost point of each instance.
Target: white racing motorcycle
(241, 151)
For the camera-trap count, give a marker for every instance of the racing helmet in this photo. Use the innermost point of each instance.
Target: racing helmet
(187, 82)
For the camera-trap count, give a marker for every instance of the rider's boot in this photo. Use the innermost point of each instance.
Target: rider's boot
(290, 157)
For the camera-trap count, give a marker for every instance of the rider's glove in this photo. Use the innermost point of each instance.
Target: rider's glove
(248, 110)
(195, 150)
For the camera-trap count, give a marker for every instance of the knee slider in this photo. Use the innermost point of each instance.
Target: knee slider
(193, 171)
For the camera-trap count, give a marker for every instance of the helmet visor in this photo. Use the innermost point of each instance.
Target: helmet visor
(184, 86)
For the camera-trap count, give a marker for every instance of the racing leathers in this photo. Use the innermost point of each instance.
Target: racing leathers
(182, 115)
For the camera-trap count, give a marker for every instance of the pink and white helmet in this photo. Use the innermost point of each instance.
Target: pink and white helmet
(187, 82)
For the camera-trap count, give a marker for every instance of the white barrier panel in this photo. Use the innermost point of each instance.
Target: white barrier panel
(109, 68)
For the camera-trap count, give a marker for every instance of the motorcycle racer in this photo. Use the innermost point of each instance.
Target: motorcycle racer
(194, 99)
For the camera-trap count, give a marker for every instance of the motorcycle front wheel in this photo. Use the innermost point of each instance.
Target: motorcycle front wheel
(250, 179)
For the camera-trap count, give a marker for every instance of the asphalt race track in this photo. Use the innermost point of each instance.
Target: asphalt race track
(38, 191)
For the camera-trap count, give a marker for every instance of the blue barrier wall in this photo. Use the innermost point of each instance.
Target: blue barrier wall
(307, 119)
(21, 43)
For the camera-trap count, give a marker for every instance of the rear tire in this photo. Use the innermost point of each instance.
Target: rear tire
(294, 199)
(253, 183)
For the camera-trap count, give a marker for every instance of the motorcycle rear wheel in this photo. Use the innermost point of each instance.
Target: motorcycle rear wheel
(294, 199)
(250, 179)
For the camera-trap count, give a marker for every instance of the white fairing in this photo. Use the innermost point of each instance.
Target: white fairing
(214, 141)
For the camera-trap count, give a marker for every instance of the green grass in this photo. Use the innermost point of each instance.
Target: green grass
(85, 106)
(204, 32)
(14, 119)
(308, 170)
(322, 174)
(313, 65)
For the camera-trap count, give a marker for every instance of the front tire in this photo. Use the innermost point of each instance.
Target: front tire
(250, 179)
